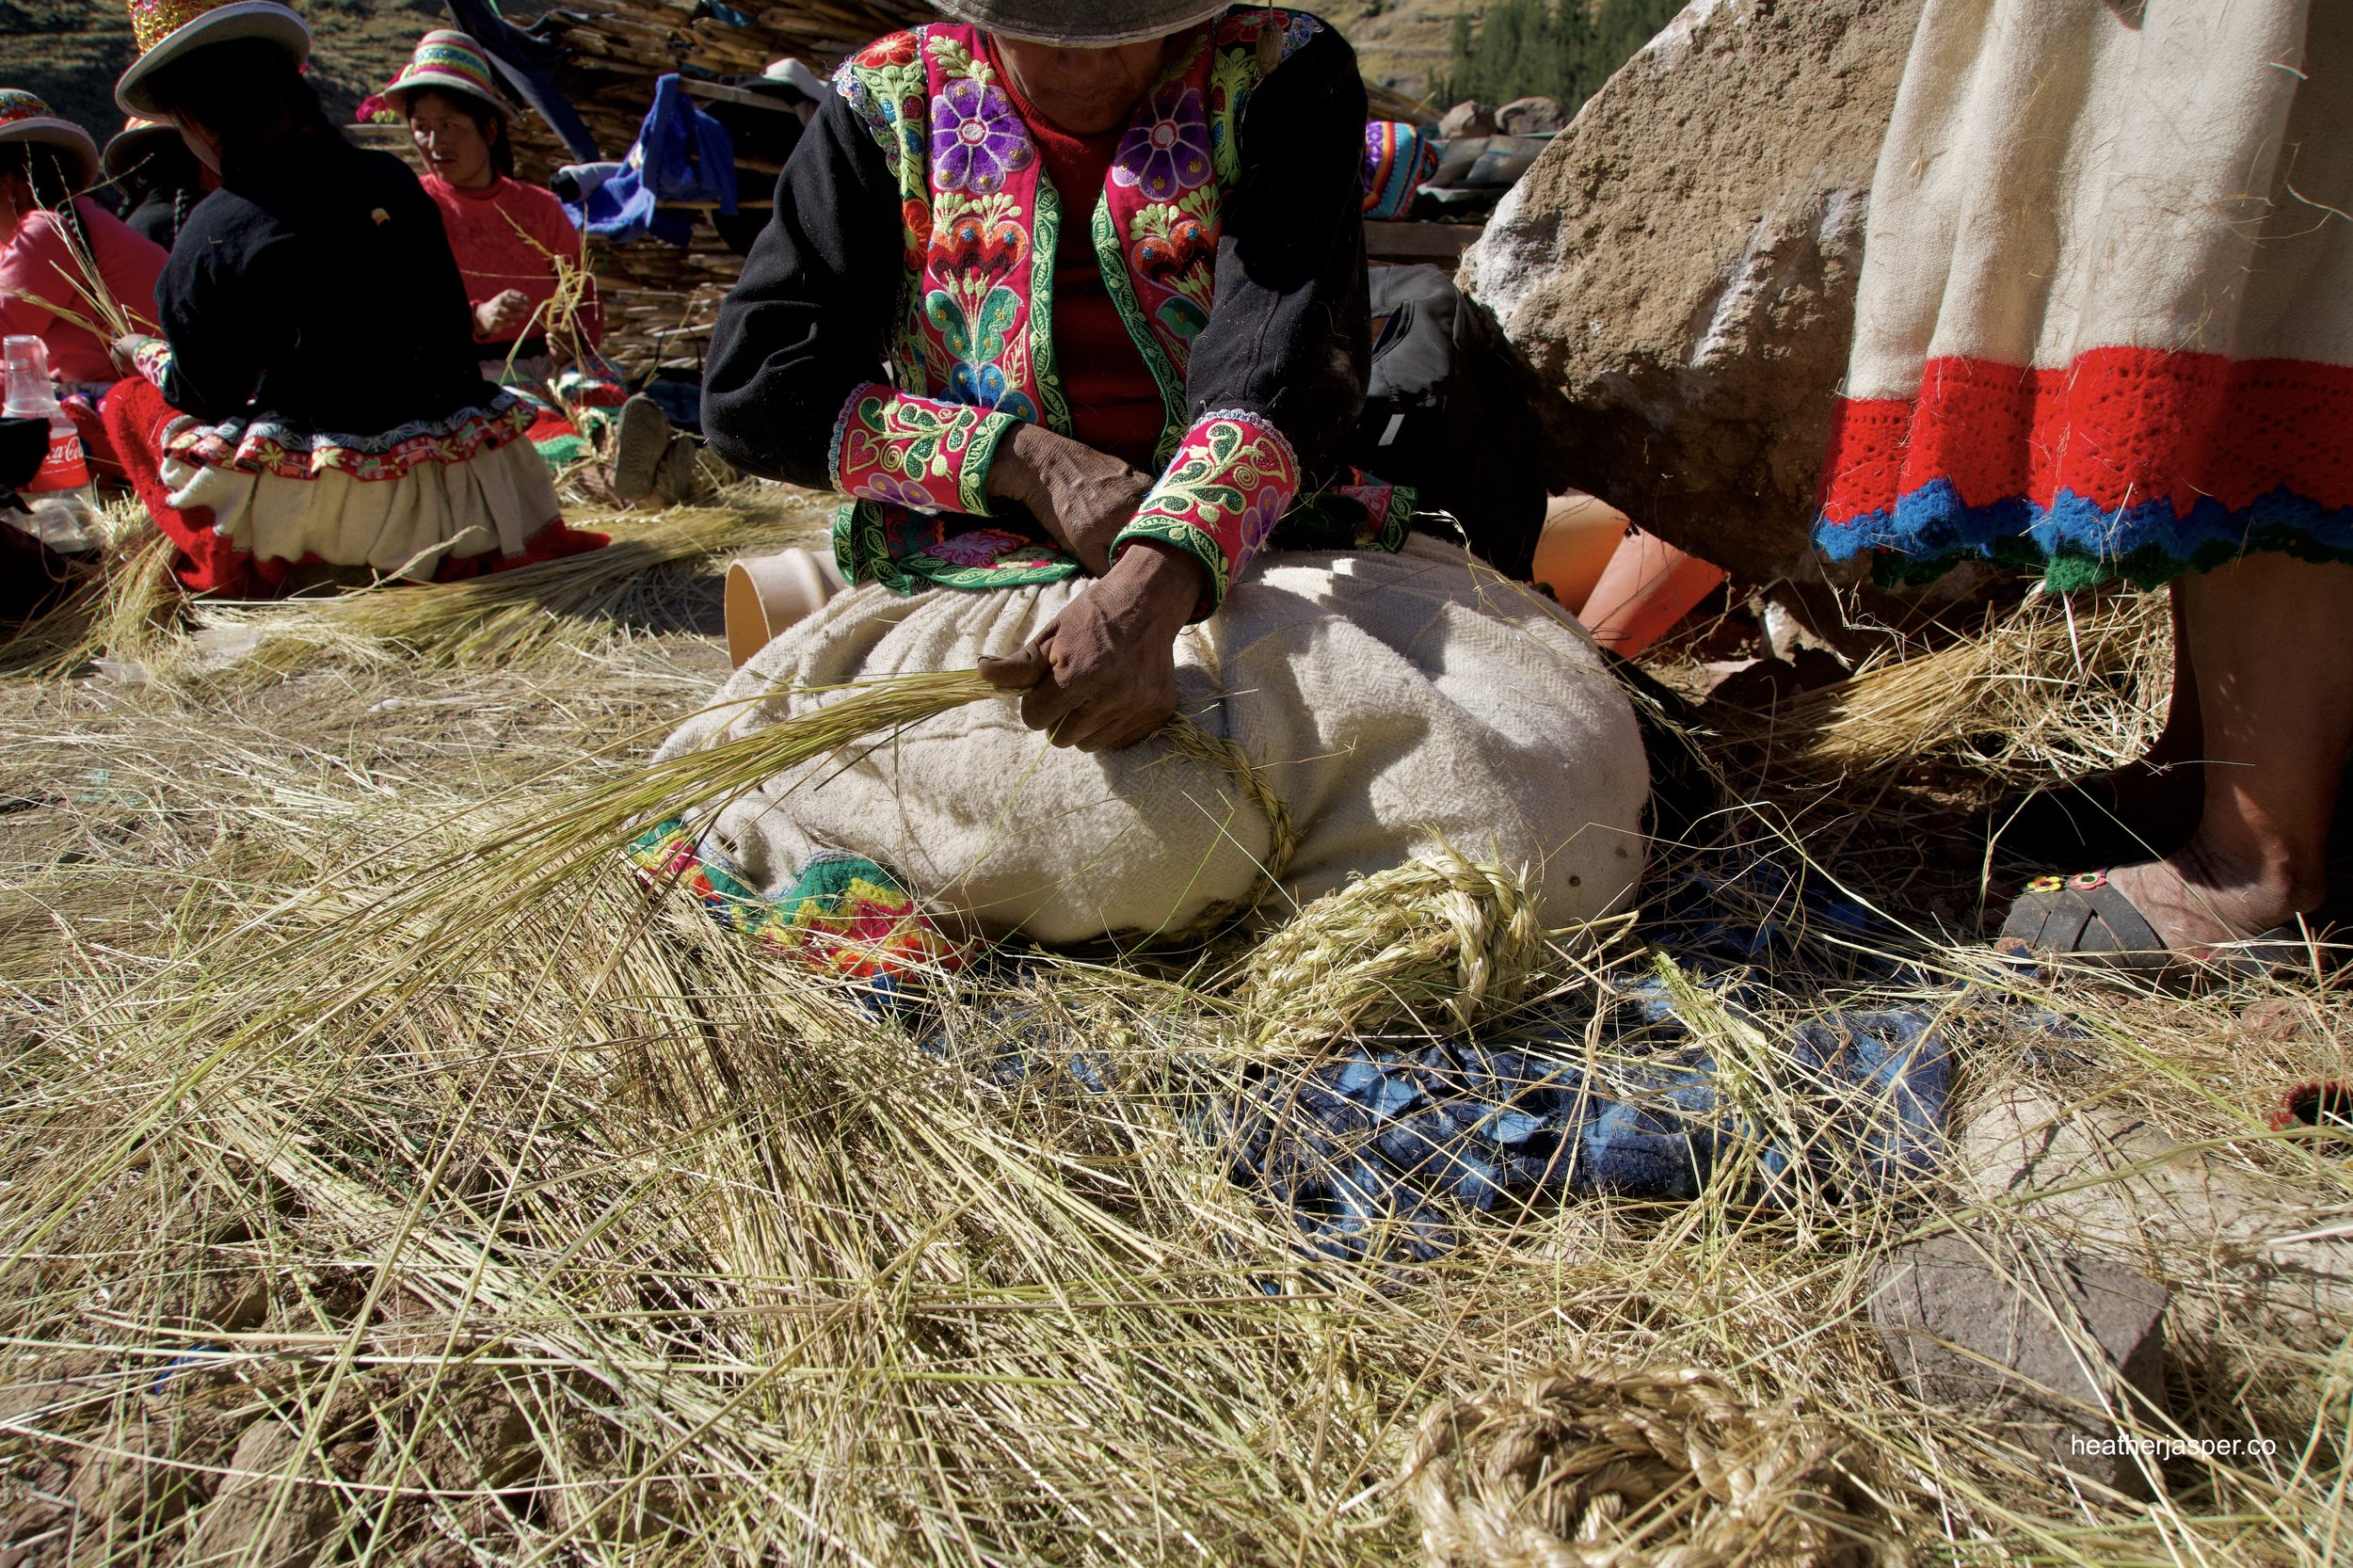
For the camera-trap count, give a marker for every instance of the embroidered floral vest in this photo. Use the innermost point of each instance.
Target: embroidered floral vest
(973, 348)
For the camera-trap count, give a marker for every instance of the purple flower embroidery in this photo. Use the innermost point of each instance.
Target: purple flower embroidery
(1258, 517)
(1169, 153)
(896, 491)
(977, 138)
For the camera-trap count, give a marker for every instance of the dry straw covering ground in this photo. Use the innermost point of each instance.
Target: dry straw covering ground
(387, 1177)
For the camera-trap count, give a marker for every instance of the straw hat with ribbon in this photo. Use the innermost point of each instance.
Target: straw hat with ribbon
(129, 145)
(1091, 26)
(26, 118)
(166, 30)
(446, 60)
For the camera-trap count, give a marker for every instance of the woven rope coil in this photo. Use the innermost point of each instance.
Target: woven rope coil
(1607, 1467)
(1440, 941)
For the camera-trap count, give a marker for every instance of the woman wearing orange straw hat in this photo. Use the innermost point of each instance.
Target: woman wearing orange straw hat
(313, 408)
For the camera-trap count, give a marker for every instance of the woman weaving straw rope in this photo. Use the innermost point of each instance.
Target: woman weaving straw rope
(312, 408)
(1114, 257)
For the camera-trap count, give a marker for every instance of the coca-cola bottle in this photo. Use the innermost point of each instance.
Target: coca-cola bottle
(64, 505)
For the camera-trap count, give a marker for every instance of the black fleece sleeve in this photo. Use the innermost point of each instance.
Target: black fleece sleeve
(807, 322)
(212, 303)
(1289, 337)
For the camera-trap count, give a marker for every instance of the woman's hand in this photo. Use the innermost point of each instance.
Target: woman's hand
(124, 351)
(501, 315)
(1082, 496)
(1102, 675)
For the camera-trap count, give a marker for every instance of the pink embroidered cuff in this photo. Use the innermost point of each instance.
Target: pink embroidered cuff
(1231, 481)
(917, 452)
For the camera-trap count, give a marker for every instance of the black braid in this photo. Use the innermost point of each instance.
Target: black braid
(179, 214)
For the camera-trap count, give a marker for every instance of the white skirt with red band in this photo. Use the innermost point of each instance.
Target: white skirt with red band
(2105, 325)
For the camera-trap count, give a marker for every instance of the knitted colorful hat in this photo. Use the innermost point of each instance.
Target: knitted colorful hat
(126, 147)
(26, 118)
(1095, 25)
(168, 29)
(448, 61)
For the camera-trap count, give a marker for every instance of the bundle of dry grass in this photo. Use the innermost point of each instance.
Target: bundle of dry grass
(2057, 687)
(496, 621)
(1604, 1466)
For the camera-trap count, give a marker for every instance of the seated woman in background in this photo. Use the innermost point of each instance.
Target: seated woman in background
(158, 180)
(314, 400)
(45, 163)
(508, 236)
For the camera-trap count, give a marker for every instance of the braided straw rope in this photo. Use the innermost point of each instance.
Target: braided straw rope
(1188, 738)
(1605, 1466)
(1439, 941)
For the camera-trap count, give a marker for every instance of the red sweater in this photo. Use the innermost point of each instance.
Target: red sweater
(494, 257)
(1115, 403)
(37, 261)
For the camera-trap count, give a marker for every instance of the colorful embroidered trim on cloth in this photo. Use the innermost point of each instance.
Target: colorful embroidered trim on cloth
(275, 449)
(842, 913)
(1230, 483)
(2132, 463)
(914, 452)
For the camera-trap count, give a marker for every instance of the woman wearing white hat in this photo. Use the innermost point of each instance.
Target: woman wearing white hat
(45, 163)
(312, 406)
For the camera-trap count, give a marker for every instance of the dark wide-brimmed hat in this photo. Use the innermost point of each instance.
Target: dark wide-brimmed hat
(1094, 25)
(133, 144)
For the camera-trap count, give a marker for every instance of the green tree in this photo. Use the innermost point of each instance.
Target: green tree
(1563, 49)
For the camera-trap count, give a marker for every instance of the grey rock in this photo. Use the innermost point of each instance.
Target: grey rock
(1682, 260)
(1530, 116)
(1469, 117)
(2054, 1345)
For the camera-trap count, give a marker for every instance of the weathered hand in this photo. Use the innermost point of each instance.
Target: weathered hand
(1082, 496)
(1102, 675)
(503, 315)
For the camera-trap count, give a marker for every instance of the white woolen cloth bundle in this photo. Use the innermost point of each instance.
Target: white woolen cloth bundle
(1395, 701)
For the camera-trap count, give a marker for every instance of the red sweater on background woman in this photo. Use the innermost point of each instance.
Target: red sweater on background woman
(504, 236)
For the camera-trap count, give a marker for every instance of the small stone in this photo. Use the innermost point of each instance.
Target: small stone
(1469, 117)
(1530, 116)
(2040, 1340)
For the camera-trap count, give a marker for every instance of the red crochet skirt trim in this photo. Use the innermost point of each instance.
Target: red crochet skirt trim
(2117, 428)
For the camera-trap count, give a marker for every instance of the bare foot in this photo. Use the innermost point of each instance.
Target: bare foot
(2192, 900)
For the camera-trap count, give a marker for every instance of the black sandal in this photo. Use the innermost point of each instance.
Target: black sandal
(2083, 917)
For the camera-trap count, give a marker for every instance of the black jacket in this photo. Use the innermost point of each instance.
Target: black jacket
(822, 289)
(316, 289)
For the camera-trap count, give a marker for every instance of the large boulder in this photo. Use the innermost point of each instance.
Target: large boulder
(1682, 261)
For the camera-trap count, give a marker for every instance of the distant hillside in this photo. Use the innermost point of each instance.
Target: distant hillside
(71, 51)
